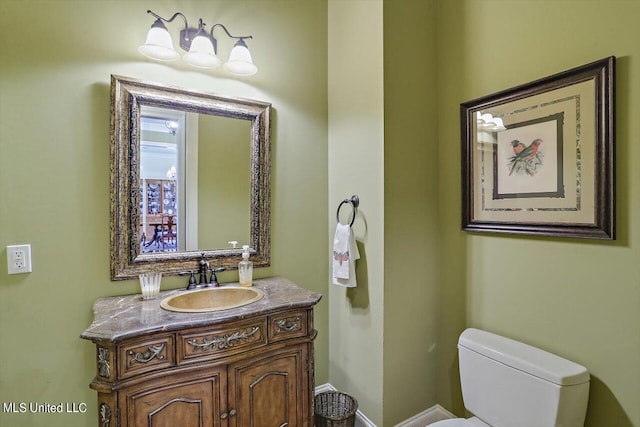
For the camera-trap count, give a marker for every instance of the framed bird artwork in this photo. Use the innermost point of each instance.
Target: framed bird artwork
(539, 158)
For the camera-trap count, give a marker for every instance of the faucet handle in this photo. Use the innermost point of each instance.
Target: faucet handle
(192, 279)
(214, 278)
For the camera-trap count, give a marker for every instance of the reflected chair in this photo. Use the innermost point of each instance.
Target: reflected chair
(168, 236)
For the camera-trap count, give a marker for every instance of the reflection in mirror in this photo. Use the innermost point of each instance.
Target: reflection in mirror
(190, 173)
(222, 175)
(161, 138)
(189, 164)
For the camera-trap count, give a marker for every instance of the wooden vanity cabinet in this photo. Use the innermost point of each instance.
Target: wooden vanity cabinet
(270, 390)
(250, 372)
(184, 399)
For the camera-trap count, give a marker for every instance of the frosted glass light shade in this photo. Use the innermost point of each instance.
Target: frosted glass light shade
(240, 62)
(159, 45)
(201, 53)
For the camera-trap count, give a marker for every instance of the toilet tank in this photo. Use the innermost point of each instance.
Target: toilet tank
(506, 383)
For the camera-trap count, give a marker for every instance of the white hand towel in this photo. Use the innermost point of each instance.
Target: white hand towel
(345, 254)
(341, 251)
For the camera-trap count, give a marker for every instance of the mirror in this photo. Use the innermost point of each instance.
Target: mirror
(189, 173)
(189, 162)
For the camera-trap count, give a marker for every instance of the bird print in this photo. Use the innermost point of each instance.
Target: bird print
(526, 159)
(517, 146)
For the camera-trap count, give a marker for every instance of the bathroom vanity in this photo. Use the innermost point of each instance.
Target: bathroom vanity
(251, 365)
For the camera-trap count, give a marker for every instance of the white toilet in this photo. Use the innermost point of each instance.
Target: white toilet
(506, 383)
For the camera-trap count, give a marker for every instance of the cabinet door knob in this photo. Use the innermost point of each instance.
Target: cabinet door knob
(224, 416)
(232, 412)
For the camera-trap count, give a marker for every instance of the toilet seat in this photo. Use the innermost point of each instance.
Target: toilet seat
(460, 422)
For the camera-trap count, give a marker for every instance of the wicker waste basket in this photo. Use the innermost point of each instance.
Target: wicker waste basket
(335, 409)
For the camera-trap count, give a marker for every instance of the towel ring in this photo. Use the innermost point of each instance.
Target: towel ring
(355, 202)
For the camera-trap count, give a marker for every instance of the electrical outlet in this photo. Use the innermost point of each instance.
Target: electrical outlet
(19, 259)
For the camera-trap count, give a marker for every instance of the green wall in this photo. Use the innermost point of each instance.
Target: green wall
(411, 270)
(356, 166)
(56, 58)
(383, 147)
(577, 298)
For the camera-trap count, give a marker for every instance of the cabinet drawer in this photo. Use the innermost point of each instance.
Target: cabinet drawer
(221, 341)
(291, 324)
(142, 356)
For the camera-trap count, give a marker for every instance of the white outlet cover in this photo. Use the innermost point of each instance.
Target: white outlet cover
(18, 259)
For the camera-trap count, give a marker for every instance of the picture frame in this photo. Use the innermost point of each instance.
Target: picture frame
(539, 158)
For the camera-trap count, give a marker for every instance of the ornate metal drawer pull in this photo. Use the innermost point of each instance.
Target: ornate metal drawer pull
(224, 341)
(288, 325)
(152, 353)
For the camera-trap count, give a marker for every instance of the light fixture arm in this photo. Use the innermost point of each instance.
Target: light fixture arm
(186, 24)
(228, 33)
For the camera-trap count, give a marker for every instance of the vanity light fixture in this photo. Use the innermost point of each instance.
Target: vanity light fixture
(200, 45)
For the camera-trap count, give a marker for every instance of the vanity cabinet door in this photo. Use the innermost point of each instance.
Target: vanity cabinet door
(269, 391)
(185, 400)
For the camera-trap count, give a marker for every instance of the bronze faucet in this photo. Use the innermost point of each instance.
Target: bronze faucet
(203, 281)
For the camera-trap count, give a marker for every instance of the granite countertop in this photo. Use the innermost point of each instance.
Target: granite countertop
(122, 317)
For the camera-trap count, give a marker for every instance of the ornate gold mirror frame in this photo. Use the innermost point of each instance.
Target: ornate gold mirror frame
(127, 97)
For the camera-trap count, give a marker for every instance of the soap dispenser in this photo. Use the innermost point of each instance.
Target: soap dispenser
(245, 268)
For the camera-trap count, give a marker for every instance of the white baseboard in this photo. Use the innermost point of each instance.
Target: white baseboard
(324, 387)
(429, 416)
(361, 419)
